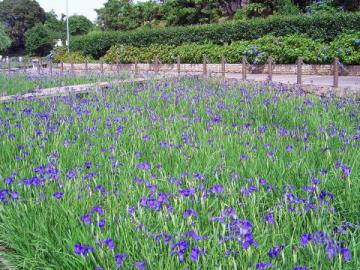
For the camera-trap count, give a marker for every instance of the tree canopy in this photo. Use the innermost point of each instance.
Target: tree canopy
(39, 40)
(79, 25)
(4, 39)
(126, 15)
(18, 16)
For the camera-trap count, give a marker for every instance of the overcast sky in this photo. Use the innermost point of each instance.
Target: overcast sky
(80, 7)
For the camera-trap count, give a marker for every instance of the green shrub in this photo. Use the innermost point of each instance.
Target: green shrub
(5, 41)
(61, 54)
(347, 48)
(323, 26)
(322, 7)
(256, 10)
(39, 40)
(287, 7)
(284, 50)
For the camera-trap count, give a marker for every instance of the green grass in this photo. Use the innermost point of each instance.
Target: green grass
(195, 131)
(21, 83)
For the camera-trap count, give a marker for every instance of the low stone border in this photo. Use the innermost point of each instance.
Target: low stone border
(217, 68)
(72, 90)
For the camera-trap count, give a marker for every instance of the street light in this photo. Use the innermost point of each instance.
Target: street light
(67, 26)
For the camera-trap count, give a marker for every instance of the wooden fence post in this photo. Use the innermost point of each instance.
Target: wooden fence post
(178, 65)
(136, 67)
(38, 66)
(72, 68)
(300, 62)
(336, 72)
(270, 67)
(223, 62)
(117, 66)
(102, 67)
(62, 67)
(243, 65)
(50, 68)
(9, 67)
(24, 65)
(156, 64)
(86, 66)
(205, 65)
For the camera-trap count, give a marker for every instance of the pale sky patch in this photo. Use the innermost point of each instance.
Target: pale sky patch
(79, 7)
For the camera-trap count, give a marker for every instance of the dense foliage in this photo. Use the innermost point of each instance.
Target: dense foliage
(61, 54)
(78, 25)
(19, 16)
(123, 15)
(39, 40)
(129, 15)
(323, 27)
(5, 41)
(284, 50)
(182, 173)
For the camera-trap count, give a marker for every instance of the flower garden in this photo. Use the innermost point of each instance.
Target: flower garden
(185, 173)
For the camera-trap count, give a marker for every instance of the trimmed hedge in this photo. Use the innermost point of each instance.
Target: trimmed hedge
(324, 27)
(285, 50)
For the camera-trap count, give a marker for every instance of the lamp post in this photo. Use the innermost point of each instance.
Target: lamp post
(67, 26)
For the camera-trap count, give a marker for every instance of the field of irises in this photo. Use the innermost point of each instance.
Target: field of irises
(181, 174)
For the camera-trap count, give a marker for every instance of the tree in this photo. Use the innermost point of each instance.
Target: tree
(183, 12)
(39, 40)
(79, 25)
(287, 7)
(117, 15)
(4, 39)
(56, 26)
(19, 16)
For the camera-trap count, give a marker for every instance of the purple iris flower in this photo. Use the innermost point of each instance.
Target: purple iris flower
(101, 223)
(190, 212)
(143, 166)
(14, 195)
(217, 189)
(275, 251)
(97, 209)
(346, 170)
(86, 219)
(262, 181)
(192, 234)
(119, 259)
(269, 218)
(345, 252)
(109, 242)
(87, 165)
(58, 195)
(195, 253)
(140, 265)
(305, 239)
(83, 249)
(244, 156)
(263, 265)
(179, 249)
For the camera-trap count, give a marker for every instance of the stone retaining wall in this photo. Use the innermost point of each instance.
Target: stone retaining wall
(216, 68)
